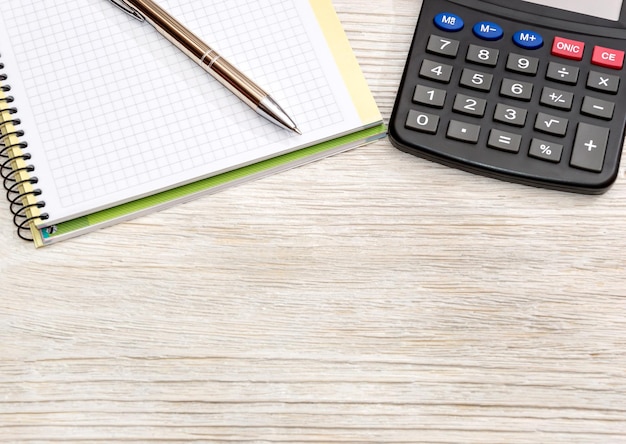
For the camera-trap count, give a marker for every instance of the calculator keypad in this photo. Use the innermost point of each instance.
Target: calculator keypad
(550, 99)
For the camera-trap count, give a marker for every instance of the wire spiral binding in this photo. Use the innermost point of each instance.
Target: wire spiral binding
(16, 171)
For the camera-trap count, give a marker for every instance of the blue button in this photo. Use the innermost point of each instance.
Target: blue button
(528, 39)
(488, 31)
(447, 21)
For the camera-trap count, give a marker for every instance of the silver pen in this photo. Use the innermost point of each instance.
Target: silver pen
(208, 59)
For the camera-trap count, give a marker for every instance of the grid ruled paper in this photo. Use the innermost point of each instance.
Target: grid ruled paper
(112, 111)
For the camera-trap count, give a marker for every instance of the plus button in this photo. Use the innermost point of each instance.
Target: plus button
(591, 146)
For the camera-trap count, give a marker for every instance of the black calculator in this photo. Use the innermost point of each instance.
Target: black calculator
(528, 91)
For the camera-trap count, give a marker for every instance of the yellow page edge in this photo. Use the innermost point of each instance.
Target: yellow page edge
(346, 61)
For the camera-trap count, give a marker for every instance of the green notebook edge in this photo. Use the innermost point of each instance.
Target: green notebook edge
(297, 158)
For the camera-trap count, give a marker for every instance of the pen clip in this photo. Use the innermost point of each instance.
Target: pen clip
(128, 9)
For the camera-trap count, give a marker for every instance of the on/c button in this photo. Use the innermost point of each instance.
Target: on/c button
(568, 49)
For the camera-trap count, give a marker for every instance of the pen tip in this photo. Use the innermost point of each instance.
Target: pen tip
(295, 128)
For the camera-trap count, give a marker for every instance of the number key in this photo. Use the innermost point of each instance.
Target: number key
(522, 64)
(516, 89)
(510, 115)
(436, 71)
(476, 80)
(429, 96)
(442, 46)
(426, 123)
(469, 105)
(482, 56)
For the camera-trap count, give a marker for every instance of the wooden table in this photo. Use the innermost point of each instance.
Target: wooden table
(370, 297)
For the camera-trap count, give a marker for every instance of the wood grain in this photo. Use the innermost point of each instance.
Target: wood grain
(370, 297)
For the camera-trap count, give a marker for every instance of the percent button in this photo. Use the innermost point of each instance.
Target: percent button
(550, 151)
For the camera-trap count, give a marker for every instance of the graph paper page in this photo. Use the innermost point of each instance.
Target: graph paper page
(113, 112)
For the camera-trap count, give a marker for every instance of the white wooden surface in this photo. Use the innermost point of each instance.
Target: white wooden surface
(371, 297)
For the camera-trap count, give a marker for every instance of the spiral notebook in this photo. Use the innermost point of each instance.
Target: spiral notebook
(102, 119)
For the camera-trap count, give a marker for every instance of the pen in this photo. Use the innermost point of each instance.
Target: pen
(201, 53)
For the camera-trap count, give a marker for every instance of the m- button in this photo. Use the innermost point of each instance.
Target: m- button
(568, 49)
(608, 58)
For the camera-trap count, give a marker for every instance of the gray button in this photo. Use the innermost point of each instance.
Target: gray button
(429, 96)
(522, 64)
(482, 55)
(551, 124)
(462, 131)
(476, 80)
(504, 141)
(603, 82)
(423, 122)
(590, 147)
(549, 151)
(510, 115)
(516, 89)
(598, 108)
(557, 98)
(436, 71)
(469, 105)
(562, 73)
(442, 46)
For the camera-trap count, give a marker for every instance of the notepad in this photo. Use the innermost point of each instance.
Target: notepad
(106, 120)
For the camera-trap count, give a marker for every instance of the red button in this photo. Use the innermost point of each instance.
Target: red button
(568, 49)
(609, 58)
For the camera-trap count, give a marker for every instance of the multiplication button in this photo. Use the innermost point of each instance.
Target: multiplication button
(599, 81)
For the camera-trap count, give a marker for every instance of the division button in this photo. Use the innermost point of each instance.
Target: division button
(528, 39)
(540, 149)
(568, 49)
(501, 140)
(598, 108)
(599, 81)
(608, 58)
(446, 21)
(442, 46)
(423, 122)
(590, 147)
(462, 131)
(551, 124)
(488, 31)
(562, 73)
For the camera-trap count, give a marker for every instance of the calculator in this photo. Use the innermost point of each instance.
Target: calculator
(527, 91)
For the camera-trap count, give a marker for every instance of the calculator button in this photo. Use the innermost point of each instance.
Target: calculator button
(462, 131)
(556, 98)
(469, 105)
(551, 124)
(516, 89)
(528, 39)
(540, 149)
(504, 141)
(488, 31)
(568, 49)
(603, 82)
(476, 80)
(426, 123)
(590, 147)
(562, 73)
(429, 96)
(442, 46)
(436, 71)
(608, 58)
(482, 56)
(598, 108)
(510, 115)
(522, 64)
(447, 21)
